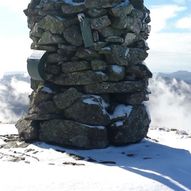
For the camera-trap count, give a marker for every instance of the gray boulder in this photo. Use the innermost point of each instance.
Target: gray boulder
(132, 128)
(27, 129)
(73, 134)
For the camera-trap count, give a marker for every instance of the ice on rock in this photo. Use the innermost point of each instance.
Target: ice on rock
(121, 111)
(117, 69)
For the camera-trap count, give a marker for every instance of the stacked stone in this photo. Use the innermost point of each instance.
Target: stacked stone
(95, 83)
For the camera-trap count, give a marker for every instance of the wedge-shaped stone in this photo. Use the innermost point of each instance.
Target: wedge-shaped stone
(73, 134)
(67, 98)
(89, 109)
(116, 87)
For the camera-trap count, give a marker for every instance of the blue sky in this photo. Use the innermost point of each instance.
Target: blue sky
(170, 39)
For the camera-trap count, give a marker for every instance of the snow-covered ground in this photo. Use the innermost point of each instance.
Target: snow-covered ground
(162, 162)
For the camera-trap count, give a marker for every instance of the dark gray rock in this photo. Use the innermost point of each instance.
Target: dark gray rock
(132, 128)
(90, 110)
(138, 4)
(109, 31)
(97, 12)
(120, 55)
(73, 134)
(124, 8)
(48, 38)
(132, 24)
(98, 65)
(139, 71)
(116, 87)
(27, 129)
(73, 35)
(67, 98)
(100, 22)
(73, 7)
(86, 54)
(77, 66)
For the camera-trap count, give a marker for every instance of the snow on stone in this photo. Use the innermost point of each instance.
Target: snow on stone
(47, 90)
(96, 127)
(118, 123)
(96, 100)
(121, 111)
(117, 69)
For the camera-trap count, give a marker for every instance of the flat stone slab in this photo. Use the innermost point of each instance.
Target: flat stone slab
(116, 87)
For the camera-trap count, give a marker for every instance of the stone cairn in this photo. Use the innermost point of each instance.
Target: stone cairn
(94, 81)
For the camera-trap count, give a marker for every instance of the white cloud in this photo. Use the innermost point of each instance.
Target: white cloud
(184, 23)
(169, 51)
(161, 14)
(14, 5)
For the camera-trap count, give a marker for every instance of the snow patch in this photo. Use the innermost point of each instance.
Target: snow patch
(121, 111)
(95, 127)
(117, 69)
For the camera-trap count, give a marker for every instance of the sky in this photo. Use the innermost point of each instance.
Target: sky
(169, 41)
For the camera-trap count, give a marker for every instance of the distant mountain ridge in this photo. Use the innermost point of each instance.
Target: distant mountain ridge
(179, 75)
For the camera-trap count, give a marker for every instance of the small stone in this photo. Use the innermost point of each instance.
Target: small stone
(132, 24)
(67, 50)
(100, 22)
(72, 8)
(54, 58)
(116, 87)
(98, 65)
(73, 134)
(48, 38)
(68, 67)
(67, 98)
(100, 3)
(137, 55)
(73, 35)
(110, 31)
(125, 8)
(86, 54)
(97, 12)
(114, 39)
